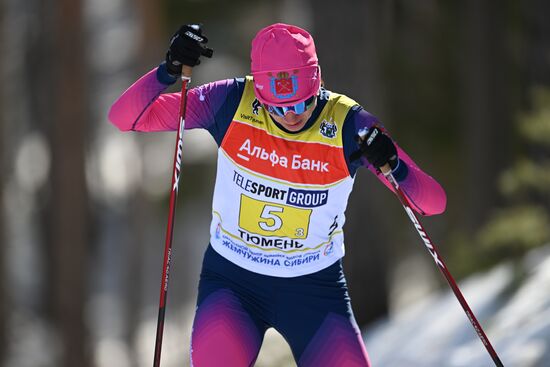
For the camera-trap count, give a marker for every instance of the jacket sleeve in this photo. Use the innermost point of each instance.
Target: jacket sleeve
(144, 106)
(425, 194)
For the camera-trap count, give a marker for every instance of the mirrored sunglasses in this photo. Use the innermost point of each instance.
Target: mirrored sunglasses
(298, 108)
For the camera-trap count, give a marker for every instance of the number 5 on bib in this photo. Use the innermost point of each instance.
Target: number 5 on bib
(271, 219)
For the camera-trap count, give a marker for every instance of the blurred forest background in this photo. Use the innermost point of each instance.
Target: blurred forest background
(463, 86)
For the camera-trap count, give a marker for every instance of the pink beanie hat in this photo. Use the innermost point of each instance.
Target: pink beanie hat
(284, 65)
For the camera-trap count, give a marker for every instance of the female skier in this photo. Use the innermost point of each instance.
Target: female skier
(288, 151)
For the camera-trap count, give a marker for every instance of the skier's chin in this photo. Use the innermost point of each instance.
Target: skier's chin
(292, 122)
(295, 125)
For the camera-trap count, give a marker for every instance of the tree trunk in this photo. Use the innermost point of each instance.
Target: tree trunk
(3, 238)
(151, 51)
(152, 46)
(68, 205)
(537, 41)
(485, 108)
(356, 71)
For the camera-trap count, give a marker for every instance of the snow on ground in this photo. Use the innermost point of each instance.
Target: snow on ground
(436, 331)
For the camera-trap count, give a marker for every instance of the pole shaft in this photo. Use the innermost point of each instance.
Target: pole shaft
(186, 78)
(432, 249)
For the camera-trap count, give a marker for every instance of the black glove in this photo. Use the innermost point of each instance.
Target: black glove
(187, 45)
(378, 148)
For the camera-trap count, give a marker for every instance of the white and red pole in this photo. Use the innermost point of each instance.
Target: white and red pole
(186, 79)
(432, 249)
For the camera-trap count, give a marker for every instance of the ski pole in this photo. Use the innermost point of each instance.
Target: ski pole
(185, 79)
(386, 170)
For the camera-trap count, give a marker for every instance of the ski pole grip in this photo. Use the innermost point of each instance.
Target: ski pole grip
(386, 169)
(186, 72)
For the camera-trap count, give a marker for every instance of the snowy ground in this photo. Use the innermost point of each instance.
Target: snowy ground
(436, 332)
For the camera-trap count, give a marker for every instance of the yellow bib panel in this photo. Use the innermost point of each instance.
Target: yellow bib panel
(279, 199)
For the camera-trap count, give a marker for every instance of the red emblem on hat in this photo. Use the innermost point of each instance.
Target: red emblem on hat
(284, 86)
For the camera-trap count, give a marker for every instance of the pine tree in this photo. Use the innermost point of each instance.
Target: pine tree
(524, 222)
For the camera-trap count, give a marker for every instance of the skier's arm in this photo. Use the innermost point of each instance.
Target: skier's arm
(425, 194)
(143, 107)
